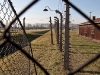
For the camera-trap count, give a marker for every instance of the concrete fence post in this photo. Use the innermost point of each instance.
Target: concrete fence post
(51, 31)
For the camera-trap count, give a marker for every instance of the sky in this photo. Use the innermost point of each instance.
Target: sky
(36, 14)
(86, 6)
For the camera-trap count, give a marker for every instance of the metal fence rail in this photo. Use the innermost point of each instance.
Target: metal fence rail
(16, 55)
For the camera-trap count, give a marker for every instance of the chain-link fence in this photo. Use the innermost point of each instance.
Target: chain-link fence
(16, 56)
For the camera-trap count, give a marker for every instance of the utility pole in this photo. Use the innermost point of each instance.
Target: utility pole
(66, 52)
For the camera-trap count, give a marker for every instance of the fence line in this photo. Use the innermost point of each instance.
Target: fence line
(12, 46)
(94, 58)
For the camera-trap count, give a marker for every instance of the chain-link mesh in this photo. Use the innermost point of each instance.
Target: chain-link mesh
(16, 52)
(13, 62)
(15, 48)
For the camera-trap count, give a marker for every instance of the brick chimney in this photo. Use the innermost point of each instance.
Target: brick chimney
(93, 18)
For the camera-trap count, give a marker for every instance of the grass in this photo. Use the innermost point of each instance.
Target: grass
(49, 56)
(82, 49)
(46, 54)
(83, 44)
(33, 34)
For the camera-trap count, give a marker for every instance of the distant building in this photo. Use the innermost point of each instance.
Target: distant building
(88, 30)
